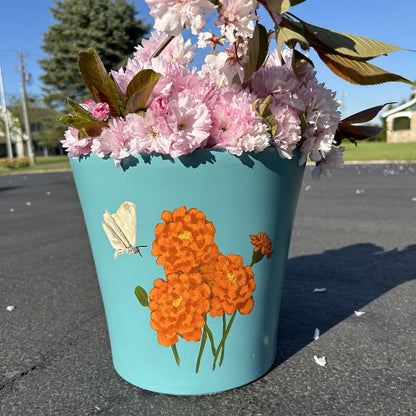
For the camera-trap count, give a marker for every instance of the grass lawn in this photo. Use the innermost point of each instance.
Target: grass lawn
(365, 151)
(369, 151)
(42, 164)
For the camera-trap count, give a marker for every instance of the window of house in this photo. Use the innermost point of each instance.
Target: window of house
(401, 123)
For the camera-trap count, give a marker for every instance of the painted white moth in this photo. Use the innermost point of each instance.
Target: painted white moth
(121, 229)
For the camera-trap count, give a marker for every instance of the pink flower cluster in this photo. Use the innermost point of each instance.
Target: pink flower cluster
(190, 109)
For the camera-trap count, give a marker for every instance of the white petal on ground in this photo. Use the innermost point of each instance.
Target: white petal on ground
(316, 334)
(359, 313)
(11, 308)
(319, 289)
(320, 360)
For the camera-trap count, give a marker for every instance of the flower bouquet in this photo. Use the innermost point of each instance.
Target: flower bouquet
(217, 154)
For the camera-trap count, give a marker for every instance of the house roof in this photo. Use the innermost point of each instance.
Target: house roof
(400, 108)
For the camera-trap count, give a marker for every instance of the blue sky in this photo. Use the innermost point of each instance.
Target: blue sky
(24, 22)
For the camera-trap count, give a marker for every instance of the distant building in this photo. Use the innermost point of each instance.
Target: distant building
(401, 122)
(17, 136)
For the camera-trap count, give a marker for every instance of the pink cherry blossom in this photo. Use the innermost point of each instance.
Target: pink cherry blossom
(159, 103)
(189, 123)
(171, 16)
(333, 160)
(148, 133)
(235, 126)
(101, 111)
(288, 132)
(88, 105)
(75, 147)
(236, 18)
(177, 51)
(113, 141)
(322, 118)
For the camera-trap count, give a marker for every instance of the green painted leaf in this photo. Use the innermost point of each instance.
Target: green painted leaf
(278, 6)
(358, 72)
(257, 49)
(139, 89)
(141, 296)
(257, 257)
(97, 80)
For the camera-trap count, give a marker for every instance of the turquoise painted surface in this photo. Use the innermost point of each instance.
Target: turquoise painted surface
(240, 196)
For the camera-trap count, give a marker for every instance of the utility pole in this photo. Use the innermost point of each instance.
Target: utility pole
(6, 119)
(25, 111)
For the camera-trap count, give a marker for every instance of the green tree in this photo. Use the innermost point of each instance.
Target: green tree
(109, 26)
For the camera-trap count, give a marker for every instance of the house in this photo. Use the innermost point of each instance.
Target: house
(401, 122)
(17, 137)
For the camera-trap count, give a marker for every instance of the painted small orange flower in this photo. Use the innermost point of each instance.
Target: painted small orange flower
(262, 242)
(232, 287)
(178, 306)
(185, 240)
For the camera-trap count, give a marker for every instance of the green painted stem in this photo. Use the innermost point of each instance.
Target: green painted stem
(175, 354)
(201, 349)
(222, 343)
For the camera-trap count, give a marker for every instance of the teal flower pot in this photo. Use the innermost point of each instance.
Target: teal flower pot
(190, 255)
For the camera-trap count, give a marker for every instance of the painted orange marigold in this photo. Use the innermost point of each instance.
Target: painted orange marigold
(184, 241)
(232, 287)
(262, 242)
(178, 307)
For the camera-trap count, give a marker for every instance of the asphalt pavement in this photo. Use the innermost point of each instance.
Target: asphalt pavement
(354, 239)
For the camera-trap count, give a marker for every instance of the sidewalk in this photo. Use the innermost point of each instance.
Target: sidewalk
(355, 236)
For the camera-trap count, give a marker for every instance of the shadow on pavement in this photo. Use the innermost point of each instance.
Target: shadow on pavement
(353, 276)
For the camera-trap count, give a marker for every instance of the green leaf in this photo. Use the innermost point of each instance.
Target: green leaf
(295, 2)
(354, 133)
(365, 115)
(291, 38)
(83, 121)
(346, 129)
(299, 57)
(119, 95)
(97, 80)
(303, 122)
(141, 296)
(358, 72)
(264, 111)
(353, 46)
(257, 49)
(278, 6)
(139, 89)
